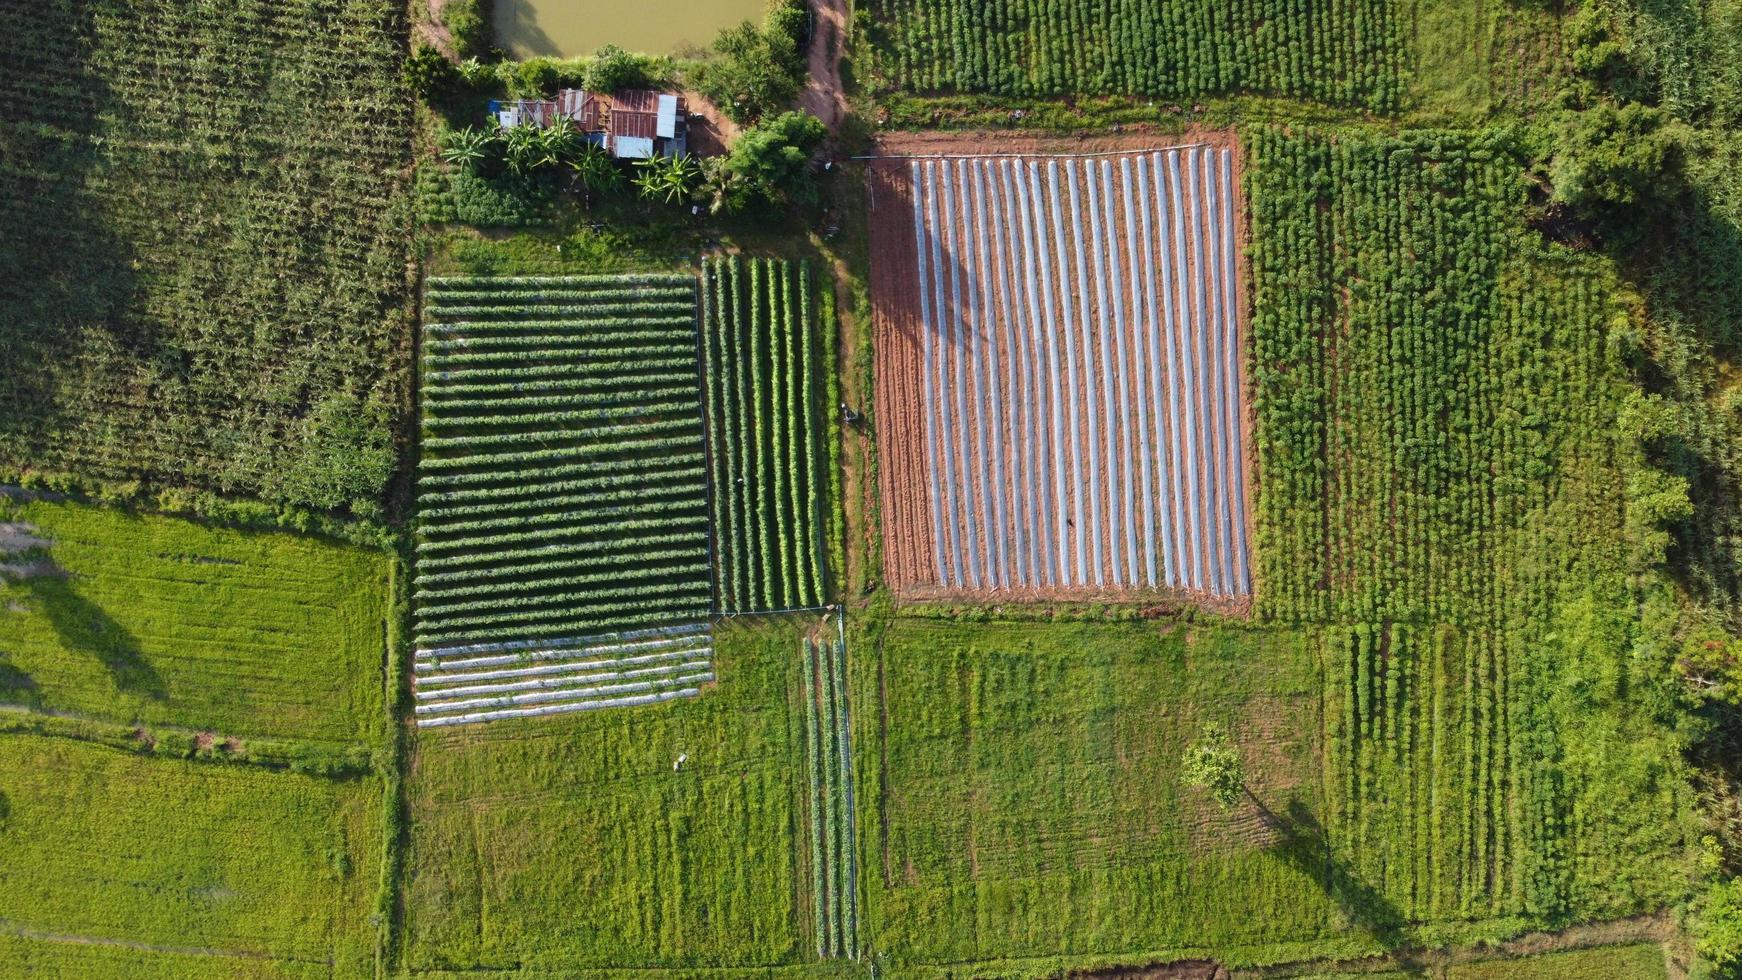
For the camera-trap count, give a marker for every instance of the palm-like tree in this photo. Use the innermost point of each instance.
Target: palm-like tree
(671, 179)
(558, 143)
(523, 149)
(468, 148)
(594, 168)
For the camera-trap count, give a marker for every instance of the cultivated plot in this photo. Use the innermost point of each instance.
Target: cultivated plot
(1059, 373)
(563, 488)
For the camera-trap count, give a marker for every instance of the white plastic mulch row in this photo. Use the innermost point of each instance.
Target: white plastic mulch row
(1082, 390)
(486, 682)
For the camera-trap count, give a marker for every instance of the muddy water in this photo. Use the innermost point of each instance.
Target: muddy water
(565, 28)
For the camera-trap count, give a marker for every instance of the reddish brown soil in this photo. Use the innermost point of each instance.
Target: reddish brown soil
(901, 471)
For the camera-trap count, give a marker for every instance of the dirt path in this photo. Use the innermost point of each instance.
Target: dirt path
(823, 95)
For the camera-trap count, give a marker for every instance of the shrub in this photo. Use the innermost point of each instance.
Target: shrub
(468, 21)
(614, 68)
(499, 202)
(431, 75)
(1718, 929)
(1212, 763)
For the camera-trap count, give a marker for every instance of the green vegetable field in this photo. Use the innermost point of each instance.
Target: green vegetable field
(765, 408)
(1346, 52)
(563, 486)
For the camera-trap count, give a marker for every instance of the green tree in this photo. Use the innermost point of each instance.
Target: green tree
(755, 71)
(1212, 763)
(772, 162)
(430, 74)
(1624, 156)
(523, 149)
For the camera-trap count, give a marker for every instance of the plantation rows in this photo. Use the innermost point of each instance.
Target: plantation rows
(1434, 400)
(491, 681)
(1347, 52)
(1393, 341)
(250, 346)
(829, 756)
(1082, 386)
(563, 485)
(765, 404)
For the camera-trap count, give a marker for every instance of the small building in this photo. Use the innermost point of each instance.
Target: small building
(634, 124)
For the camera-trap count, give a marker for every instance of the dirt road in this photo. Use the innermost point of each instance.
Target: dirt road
(823, 96)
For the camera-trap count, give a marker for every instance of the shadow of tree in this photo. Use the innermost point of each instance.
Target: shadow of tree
(16, 687)
(1302, 842)
(85, 628)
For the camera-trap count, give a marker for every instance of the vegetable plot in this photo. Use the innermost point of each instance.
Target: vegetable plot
(1060, 374)
(1347, 52)
(765, 396)
(830, 769)
(563, 485)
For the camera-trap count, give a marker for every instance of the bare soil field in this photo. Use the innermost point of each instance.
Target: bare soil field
(1060, 367)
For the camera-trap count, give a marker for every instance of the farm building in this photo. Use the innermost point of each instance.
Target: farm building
(634, 124)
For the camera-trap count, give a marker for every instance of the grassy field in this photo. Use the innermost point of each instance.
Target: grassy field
(163, 621)
(1019, 797)
(204, 245)
(102, 845)
(1643, 962)
(570, 843)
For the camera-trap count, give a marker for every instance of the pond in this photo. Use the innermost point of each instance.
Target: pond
(566, 28)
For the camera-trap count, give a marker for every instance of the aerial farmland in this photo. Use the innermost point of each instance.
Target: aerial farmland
(909, 488)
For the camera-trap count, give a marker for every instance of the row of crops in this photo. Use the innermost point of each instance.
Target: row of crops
(253, 344)
(563, 486)
(1441, 486)
(1082, 386)
(829, 757)
(1347, 52)
(766, 360)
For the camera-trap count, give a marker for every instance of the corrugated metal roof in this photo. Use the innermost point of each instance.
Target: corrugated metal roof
(633, 147)
(666, 121)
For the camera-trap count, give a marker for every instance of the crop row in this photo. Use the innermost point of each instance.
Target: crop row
(562, 477)
(1347, 52)
(829, 759)
(765, 422)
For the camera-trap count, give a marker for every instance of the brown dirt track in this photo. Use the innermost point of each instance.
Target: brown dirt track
(903, 475)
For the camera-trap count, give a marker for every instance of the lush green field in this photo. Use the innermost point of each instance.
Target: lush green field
(569, 843)
(1019, 796)
(833, 852)
(563, 485)
(203, 246)
(105, 845)
(1447, 476)
(1346, 52)
(765, 409)
(163, 621)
